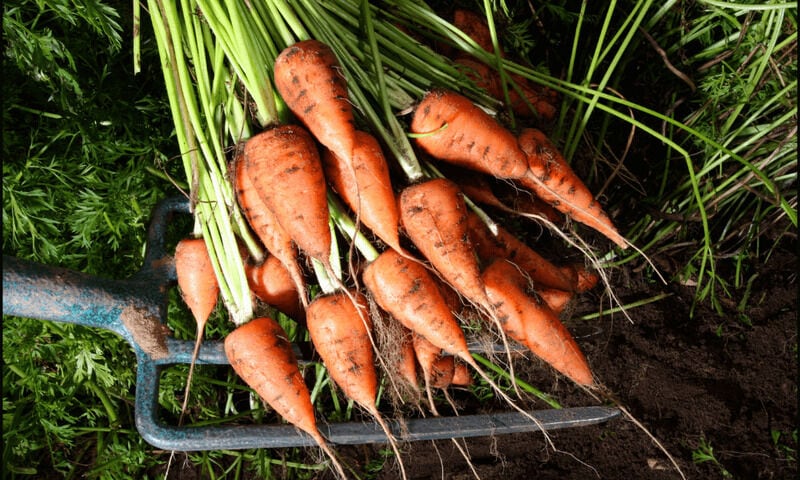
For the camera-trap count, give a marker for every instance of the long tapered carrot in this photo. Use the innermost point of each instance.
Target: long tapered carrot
(434, 216)
(552, 179)
(200, 291)
(266, 227)
(310, 80)
(449, 127)
(531, 322)
(505, 245)
(339, 326)
(284, 165)
(272, 283)
(364, 183)
(261, 354)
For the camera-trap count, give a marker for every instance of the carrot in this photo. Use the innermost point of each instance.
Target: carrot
(506, 246)
(434, 216)
(532, 323)
(364, 184)
(583, 279)
(553, 180)
(437, 368)
(556, 299)
(406, 290)
(262, 356)
(196, 279)
(340, 330)
(199, 290)
(475, 27)
(407, 362)
(266, 227)
(271, 282)
(461, 375)
(536, 100)
(284, 165)
(309, 78)
(449, 127)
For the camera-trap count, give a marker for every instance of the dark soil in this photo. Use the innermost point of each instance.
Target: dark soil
(728, 382)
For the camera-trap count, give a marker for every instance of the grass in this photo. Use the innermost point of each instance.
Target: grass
(701, 177)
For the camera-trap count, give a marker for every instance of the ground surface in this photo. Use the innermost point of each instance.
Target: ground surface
(728, 382)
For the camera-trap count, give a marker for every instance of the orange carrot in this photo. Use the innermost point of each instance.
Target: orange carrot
(532, 323)
(461, 375)
(475, 27)
(199, 290)
(556, 299)
(271, 283)
(407, 361)
(310, 79)
(536, 100)
(196, 279)
(407, 291)
(451, 128)
(553, 180)
(266, 227)
(262, 356)
(506, 246)
(583, 279)
(363, 183)
(437, 368)
(434, 216)
(284, 165)
(340, 329)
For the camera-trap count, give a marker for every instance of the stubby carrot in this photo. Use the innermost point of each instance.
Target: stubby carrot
(310, 80)
(553, 180)
(340, 328)
(284, 165)
(449, 127)
(532, 323)
(266, 227)
(364, 184)
(262, 356)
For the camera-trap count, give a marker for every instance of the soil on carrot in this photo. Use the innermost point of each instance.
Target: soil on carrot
(707, 386)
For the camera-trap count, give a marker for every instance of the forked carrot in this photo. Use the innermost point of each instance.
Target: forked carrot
(200, 291)
(284, 165)
(553, 180)
(364, 184)
(505, 245)
(532, 323)
(434, 216)
(272, 283)
(310, 80)
(262, 356)
(339, 325)
(449, 127)
(266, 227)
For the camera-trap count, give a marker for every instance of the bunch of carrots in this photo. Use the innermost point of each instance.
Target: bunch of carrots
(424, 255)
